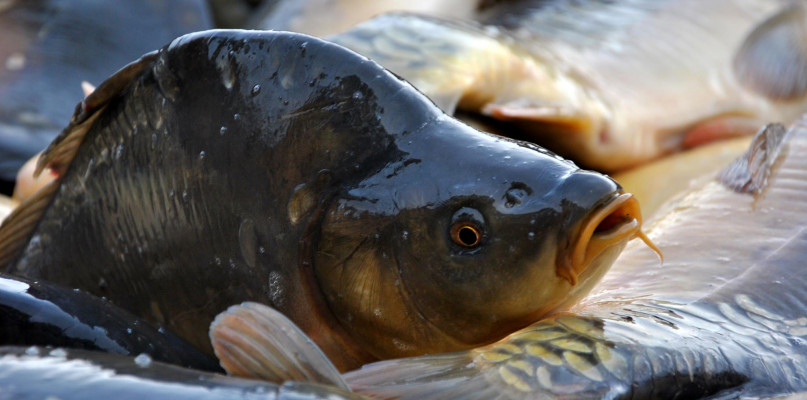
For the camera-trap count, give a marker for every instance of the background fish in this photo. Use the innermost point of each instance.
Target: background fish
(279, 168)
(68, 374)
(48, 47)
(726, 312)
(608, 84)
(40, 313)
(656, 183)
(327, 17)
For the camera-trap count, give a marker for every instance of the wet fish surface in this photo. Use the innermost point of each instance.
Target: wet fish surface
(327, 17)
(48, 47)
(43, 314)
(236, 166)
(725, 315)
(607, 84)
(69, 374)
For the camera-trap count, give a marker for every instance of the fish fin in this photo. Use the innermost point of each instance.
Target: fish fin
(20, 224)
(439, 376)
(87, 88)
(772, 60)
(253, 340)
(719, 128)
(63, 149)
(569, 118)
(749, 173)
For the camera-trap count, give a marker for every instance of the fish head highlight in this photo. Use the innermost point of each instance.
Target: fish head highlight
(465, 237)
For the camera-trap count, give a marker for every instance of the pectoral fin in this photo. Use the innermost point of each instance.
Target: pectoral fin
(749, 173)
(566, 118)
(772, 60)
(720, 128)
(253, 340)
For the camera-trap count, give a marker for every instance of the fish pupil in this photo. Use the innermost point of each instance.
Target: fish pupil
(467, 236)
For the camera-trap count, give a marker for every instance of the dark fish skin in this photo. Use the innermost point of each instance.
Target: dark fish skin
(48, 47)
(238, 166)
(69, 374)
(38, 313)
(725, 317)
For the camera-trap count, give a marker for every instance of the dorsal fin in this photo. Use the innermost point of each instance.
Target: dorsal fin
(18, 226)
(253, 340)
(21, 223)
(749, 173)
(61, 151)
(772, 60)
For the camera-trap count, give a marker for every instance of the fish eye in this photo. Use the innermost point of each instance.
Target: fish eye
(467, 227)
(465, 234)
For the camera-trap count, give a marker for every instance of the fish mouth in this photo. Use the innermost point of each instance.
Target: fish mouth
(616, 221)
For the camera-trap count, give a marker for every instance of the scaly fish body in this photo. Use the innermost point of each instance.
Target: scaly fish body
(69, 374)
(240, 166)
(327, 17)
(726, 312)
(608, 84)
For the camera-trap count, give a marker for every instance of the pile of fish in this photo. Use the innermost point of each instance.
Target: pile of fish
(290, 208)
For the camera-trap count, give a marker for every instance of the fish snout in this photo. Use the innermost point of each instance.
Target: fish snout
(601, 216)
(610, 224)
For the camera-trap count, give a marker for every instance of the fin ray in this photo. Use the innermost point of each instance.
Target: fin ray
(749, 173)
(21, 223)
(257, 341)
(61, 151)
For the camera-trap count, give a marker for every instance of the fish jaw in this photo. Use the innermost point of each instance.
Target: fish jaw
(611, 224)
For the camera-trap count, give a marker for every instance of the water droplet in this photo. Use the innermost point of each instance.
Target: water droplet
(357, 95)
(202, 155)
(58, 353)
(405, 235)
(531, 235)
(262, 250)
(236, 116)
(15, 62)
(171, 193)
(129, 330)
(185, 195)
(223, 130)
(507, 157)
(276, 290)
(102, 283)
(218, 261)
(143, 360)
(256, 89)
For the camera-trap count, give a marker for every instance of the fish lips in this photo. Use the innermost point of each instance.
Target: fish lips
(614, 222)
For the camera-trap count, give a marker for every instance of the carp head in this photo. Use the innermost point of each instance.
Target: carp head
(464, 238)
